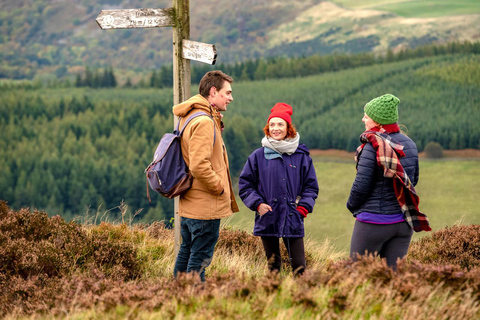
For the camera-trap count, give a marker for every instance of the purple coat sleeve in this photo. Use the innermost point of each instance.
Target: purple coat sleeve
(310, 185)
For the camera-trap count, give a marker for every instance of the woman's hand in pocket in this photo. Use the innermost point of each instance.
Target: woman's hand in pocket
(263, 208)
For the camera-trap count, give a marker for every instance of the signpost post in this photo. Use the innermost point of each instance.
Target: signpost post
(184, 50)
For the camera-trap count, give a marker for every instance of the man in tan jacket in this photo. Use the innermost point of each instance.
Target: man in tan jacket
(211, 196)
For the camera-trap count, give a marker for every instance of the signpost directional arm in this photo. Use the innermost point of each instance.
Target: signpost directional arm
(176, 17)
(136, 18)
(199, 51)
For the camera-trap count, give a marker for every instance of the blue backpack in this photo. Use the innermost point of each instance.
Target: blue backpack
(168, 173)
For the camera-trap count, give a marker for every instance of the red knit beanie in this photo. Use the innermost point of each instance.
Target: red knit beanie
(281, 110)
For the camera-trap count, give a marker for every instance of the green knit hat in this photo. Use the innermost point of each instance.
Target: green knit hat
(383, 109)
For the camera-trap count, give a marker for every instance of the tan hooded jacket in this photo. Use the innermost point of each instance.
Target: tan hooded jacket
(211, 195)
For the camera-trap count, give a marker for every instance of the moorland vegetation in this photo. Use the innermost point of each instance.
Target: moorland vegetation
(53, 269)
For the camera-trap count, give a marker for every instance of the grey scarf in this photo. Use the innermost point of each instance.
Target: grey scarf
(287, 146)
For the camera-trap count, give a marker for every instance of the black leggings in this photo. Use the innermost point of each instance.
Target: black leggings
(295, 249)
(390, 241)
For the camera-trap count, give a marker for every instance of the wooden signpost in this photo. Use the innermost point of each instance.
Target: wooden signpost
(184, 50)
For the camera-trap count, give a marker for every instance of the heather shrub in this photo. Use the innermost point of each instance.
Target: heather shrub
(3, 208)
(158, 230)
(34, 244)
(114, 249)
(239, 242)
(433, 150)
(457, 245)
(116, 258)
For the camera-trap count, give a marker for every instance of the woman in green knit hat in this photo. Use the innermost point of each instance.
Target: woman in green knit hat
(383, 198)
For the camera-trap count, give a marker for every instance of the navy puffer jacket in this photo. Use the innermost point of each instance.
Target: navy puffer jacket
(277, 180)
(371, 191)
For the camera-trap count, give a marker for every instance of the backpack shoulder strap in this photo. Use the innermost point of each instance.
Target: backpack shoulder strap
(193, 116)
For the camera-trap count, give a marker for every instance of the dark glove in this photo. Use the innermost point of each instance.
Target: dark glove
(302, 211)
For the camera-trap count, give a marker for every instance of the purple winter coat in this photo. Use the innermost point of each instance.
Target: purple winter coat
(277, 180)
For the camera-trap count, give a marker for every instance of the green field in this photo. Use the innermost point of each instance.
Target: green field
(417, 9)
(447, 188)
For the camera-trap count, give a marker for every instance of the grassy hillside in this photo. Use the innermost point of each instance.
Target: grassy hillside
(39, 37)
(374, 26)
(412, 9)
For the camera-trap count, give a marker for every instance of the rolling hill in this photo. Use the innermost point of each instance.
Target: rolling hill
(61, 37)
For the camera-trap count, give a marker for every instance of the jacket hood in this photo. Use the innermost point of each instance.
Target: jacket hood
(197, 102)
(302, 149)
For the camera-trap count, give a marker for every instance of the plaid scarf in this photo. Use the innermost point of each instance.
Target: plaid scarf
(388, 153)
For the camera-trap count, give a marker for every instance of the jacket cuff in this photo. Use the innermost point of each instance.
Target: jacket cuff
(257, 204)
(302, 211)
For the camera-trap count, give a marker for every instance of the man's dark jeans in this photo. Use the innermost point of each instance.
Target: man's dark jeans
(198, 241)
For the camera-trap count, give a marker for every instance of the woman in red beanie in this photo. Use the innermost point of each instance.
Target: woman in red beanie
(279, 183)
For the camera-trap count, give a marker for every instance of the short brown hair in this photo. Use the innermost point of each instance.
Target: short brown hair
(291, 132)
(215, 78)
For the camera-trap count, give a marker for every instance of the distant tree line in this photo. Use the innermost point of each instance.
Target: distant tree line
(162, 78)
(261, 69)
(97, 79)
(285, 67)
